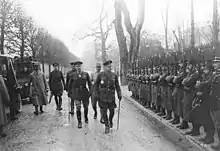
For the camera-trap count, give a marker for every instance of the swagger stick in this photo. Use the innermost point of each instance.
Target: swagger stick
(119, 106)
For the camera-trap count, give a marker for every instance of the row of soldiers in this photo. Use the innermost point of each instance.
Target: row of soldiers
(184, 92)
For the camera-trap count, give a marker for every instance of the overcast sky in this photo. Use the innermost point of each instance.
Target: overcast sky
(63, 18)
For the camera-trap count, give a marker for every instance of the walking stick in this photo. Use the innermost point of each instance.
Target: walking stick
(68, 108)
(119, 106)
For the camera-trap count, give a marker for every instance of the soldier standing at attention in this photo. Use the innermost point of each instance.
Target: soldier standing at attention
(56, 83)
(215, 98)
(79, 92)
(68, 76)
(105, 86)
(94, 96)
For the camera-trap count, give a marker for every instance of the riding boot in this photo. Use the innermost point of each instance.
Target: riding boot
(60, 103)
(169, 115)
(162, 113)
(176, 119)
(157, 109)
(72, 107)
(86, 115)
(184, 125)
(111, 115)
(41, 109)
(194, 131)
(101, 114)
(209, 138)
(78, 114)
(217, 147)
(57, 102)
(36, 110)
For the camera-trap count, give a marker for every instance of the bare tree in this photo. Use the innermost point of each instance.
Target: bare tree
(7, 9)
(134, 33)
(215, 28)
(165, 24)
(101, 31)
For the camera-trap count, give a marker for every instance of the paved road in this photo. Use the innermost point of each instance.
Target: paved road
(57, 131)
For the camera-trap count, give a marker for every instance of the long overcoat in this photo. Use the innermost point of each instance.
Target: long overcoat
(4, 101)
(38, 88)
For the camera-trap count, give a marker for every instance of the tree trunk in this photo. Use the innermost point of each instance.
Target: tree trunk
(104, 54)
(121, 39)
(192, 25)
(215, 28)
(2, 34)
(22, 42)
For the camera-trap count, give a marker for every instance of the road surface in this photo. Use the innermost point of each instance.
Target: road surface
(57, 131)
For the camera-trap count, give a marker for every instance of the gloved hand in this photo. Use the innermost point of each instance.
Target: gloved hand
(120, 97)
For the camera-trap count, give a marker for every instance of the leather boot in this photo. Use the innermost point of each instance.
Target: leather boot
(162, 113)
(86, 115)
(217, 147)
(36, 110)
(107, 129)
(209, 137)
(196, 131)
(57, 102)
(169, 115)
(111, 115)
(176, 119)
(184, 125)
(60, 103)
(41, 109)
(78, 114)
(157, 109)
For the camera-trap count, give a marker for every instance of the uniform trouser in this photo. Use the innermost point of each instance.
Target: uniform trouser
(105, 116)
(58, 100)
(104, 107)
(94, 103)
(72, 105)
(78, 108)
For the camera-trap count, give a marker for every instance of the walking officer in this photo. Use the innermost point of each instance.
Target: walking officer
(94, 97)
(68, 76)
(106, 84)
(79, 92)
(56, 83)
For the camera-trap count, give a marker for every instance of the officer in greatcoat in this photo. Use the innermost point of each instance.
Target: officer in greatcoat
(79, 92)
(105, 86)
(56, 83)
(38, 89)
(68, 77)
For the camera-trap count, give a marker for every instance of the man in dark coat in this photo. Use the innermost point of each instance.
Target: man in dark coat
(68, 77)
(56, 83)
(106, 84)
(79, 92)
(94, 97)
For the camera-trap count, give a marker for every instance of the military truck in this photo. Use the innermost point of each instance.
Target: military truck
(8, 72)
